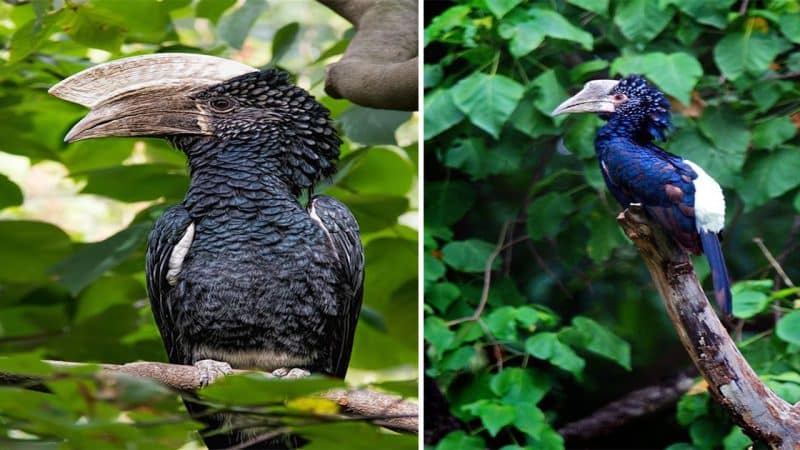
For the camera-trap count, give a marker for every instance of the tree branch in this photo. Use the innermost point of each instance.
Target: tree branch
(379, 67)
(633, 405)
(386, 410)
(732, 382)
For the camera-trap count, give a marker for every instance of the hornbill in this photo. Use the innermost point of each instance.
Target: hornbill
(676, 192)
(239, 274)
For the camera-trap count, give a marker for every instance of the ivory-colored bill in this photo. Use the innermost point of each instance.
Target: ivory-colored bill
(97, 84)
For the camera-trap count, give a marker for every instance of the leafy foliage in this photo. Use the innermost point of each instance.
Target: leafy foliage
(519, 227)
(64, 298)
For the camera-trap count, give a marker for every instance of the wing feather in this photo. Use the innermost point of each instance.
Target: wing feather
(342, 230)
(168, 231)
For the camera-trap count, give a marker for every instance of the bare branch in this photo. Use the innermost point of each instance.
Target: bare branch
(633, 405)
(386, 410)
(379, 67)
(732, 382)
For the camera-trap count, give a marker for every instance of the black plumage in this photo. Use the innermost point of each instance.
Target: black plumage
(240, 271)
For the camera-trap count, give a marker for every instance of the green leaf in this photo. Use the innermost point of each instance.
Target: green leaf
(451, 18)
(501, 323)
(722, 165)
(494, 415)
(258, 389)
(371, 126)
(736, 440)
(751, 297)
(85, 266)
(706, 433)
(212, 9)
(378, 170)
(725, 128)
(770, 176)
(641, 20)
(29, 248)
(441, 113)
(470, 255)
(773, 132)
(675, 73)
(105, 293)
(606, 236)
(10, 193)
(487, 100)
(282, 41)
(590, 335)
(547, 346)
(473, 157)
(595, 6)
(442, 295)
(152, 181)
(31, 36)
(707, 13)
(438, 334)
(790, 26)
(549, 92)
(691, 408)
(500, 7)
(447, 202)
(235, 26)
(747, 53)
(557, 205)
(523, 38)
(788, 328)
(460, 440)
(374, 211)
(516, 385)
(526, 36)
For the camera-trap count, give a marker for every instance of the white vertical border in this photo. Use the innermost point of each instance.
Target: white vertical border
(421, 228)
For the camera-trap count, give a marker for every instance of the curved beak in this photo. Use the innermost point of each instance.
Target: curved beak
(148, 95)
(154, 111)
(592, 98)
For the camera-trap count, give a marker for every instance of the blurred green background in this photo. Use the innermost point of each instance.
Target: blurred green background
(74, 219)
(572, 319)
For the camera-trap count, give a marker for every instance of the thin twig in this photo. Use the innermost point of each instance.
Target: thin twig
(773, 262)
(487, 274)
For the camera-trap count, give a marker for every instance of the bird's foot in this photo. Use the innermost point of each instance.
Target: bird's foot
(287, 373)
(210, 370)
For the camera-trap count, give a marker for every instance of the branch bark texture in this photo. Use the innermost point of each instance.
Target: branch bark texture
(627, 409)
(379, 67)
(733, 383)
(386, 410)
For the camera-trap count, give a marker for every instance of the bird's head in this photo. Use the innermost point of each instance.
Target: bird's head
(631, 101)
(211, 108)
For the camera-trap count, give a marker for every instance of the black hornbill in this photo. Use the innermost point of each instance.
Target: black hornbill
(676, 192)
(239, 274)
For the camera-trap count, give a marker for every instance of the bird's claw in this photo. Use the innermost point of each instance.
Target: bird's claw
(210, 370)
(287, 373)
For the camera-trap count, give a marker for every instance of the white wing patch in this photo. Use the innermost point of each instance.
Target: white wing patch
(709, 202)
(178, 254)
(315, 217)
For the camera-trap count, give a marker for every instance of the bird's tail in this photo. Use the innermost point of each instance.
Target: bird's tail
(719, 273)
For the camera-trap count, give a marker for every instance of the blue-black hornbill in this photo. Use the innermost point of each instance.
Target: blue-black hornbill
(240, 273)
(676, 192)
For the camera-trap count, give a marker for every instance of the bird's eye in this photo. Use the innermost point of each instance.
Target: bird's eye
(619, 98)
(222, 104)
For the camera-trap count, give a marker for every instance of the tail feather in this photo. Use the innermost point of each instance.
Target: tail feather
(719, 273)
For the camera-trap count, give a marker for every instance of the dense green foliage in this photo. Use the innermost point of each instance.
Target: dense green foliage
(65, 299)
(516, 212)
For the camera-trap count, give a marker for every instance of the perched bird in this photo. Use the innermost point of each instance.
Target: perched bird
(676, 192)
(239, 274)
